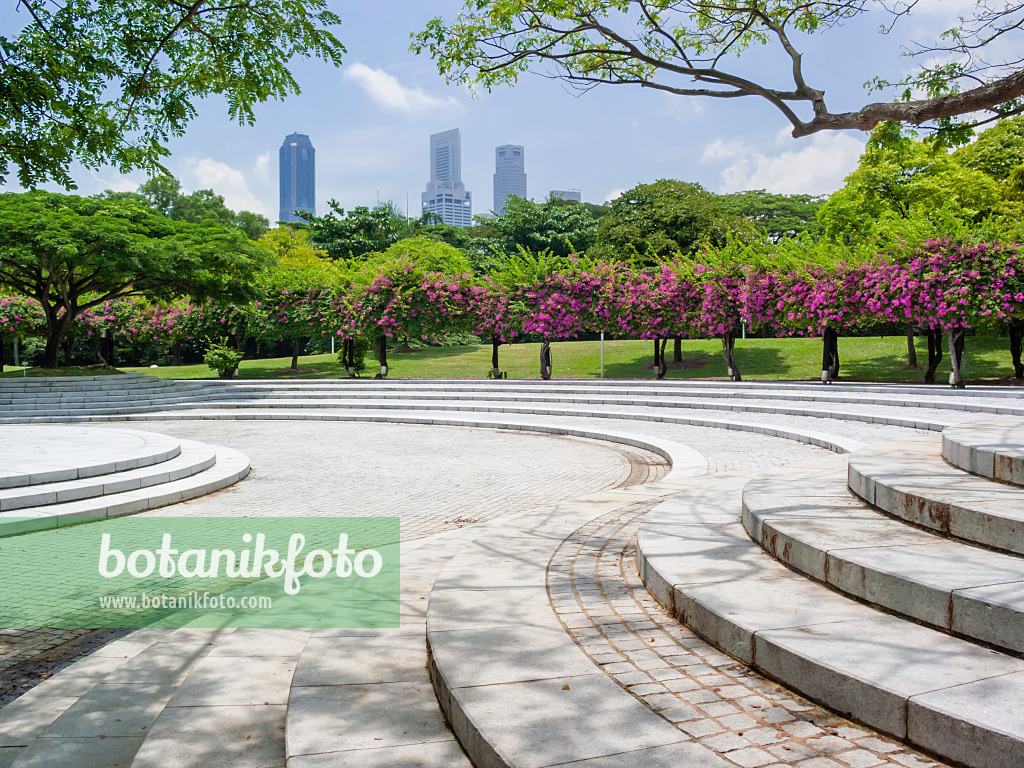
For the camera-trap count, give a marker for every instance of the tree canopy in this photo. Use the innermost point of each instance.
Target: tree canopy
(164, 195)
(108, 82)
(656, 221)
(778, 216)
(72, 253)
(699, 47)
(549, 226)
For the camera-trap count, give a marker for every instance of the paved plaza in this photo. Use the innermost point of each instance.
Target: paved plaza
(548, 617)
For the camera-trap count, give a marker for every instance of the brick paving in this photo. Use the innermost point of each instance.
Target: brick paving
(710, 697)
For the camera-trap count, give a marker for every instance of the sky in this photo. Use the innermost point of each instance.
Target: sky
(370, 121)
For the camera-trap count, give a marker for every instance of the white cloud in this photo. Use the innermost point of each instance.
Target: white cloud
(228, 182)
(613, 194)
(817, 167)
(387, 92)
(263, 167)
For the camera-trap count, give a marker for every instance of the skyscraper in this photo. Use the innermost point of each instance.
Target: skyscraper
(509, 174)
(446, 195)
(298, 176)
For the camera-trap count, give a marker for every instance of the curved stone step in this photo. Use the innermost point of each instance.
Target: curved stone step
(194, 457)
(31, 455)
(993, 449)
(230, 467)
(808, 520)
(945, 695)
(909, 480)
(513, 684)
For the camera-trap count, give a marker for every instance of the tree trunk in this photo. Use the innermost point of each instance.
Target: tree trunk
(728, 351)
(176, 356)
(934, 336)
(1016, 337)
(382, 357)
(911, 348)
(3, 350)
(545, 360)
(660, 366)
(956, 358)
(295, 353)
(348, 356)
(495, 343)
(677, 349)
(830, 355)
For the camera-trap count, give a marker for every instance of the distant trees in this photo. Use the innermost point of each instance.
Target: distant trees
(163, 194)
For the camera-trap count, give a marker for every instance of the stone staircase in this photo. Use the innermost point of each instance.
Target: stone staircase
(888, 586)
(59, 475)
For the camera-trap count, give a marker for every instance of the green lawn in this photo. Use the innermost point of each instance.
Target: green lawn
(863, 359)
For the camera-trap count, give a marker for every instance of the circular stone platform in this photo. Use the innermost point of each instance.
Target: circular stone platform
(30, 455)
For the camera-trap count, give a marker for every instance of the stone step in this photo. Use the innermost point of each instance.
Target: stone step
(229, 467)
(993, 449)
(75, 383)
(32, 455)
(194, 457)
(616, 393)
(643, 412)
(829, 441)
(909, 480)
(100, 395)
(807, 519)
(516, 689)
(942, 694)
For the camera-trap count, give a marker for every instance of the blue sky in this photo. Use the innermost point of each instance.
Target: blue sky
(370, 122)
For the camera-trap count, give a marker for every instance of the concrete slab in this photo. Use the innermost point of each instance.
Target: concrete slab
(215, 737)
(81, 753)
(339, 718)
(235, 681)
(362, 659)
(545, 729)
(433, 754)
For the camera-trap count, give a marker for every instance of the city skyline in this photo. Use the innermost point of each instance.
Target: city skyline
(370, 118)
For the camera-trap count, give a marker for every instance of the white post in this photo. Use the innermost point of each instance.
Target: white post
(16, 351)
(744, 330)
(332, 344)
(602, 354)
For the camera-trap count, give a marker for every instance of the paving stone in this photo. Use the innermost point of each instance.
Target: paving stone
(111, 711)
(386, 659)
(434, 754)
(81, 753)
(235, 681)
(215, 737)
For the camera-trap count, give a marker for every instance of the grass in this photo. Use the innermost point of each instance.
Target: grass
(17, 371)
(862, 359)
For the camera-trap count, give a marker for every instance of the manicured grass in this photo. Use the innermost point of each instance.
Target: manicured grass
(15, 371)
(862, 359)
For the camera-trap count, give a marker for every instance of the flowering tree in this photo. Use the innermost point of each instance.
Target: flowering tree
(19, 317)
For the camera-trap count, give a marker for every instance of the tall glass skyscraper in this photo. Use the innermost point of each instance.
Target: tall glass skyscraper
(509, 174)
(298, 176)
(446, 195)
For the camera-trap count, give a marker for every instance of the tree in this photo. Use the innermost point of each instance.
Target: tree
(548, 226)
(71, 253)
(164, 195)
(295, 292)
(108, 82)
(997, 151)
(778, 216)
(355, 233)
(906, 189)
(652, 222)
(686, 47)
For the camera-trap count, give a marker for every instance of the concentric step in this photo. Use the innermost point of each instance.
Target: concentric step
(993, 449)
(808, 520)
(909, 480)
(945, 695)
(30, 455)
(54, 476)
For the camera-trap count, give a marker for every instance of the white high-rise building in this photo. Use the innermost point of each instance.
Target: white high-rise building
(446, 195)
(509, 174)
